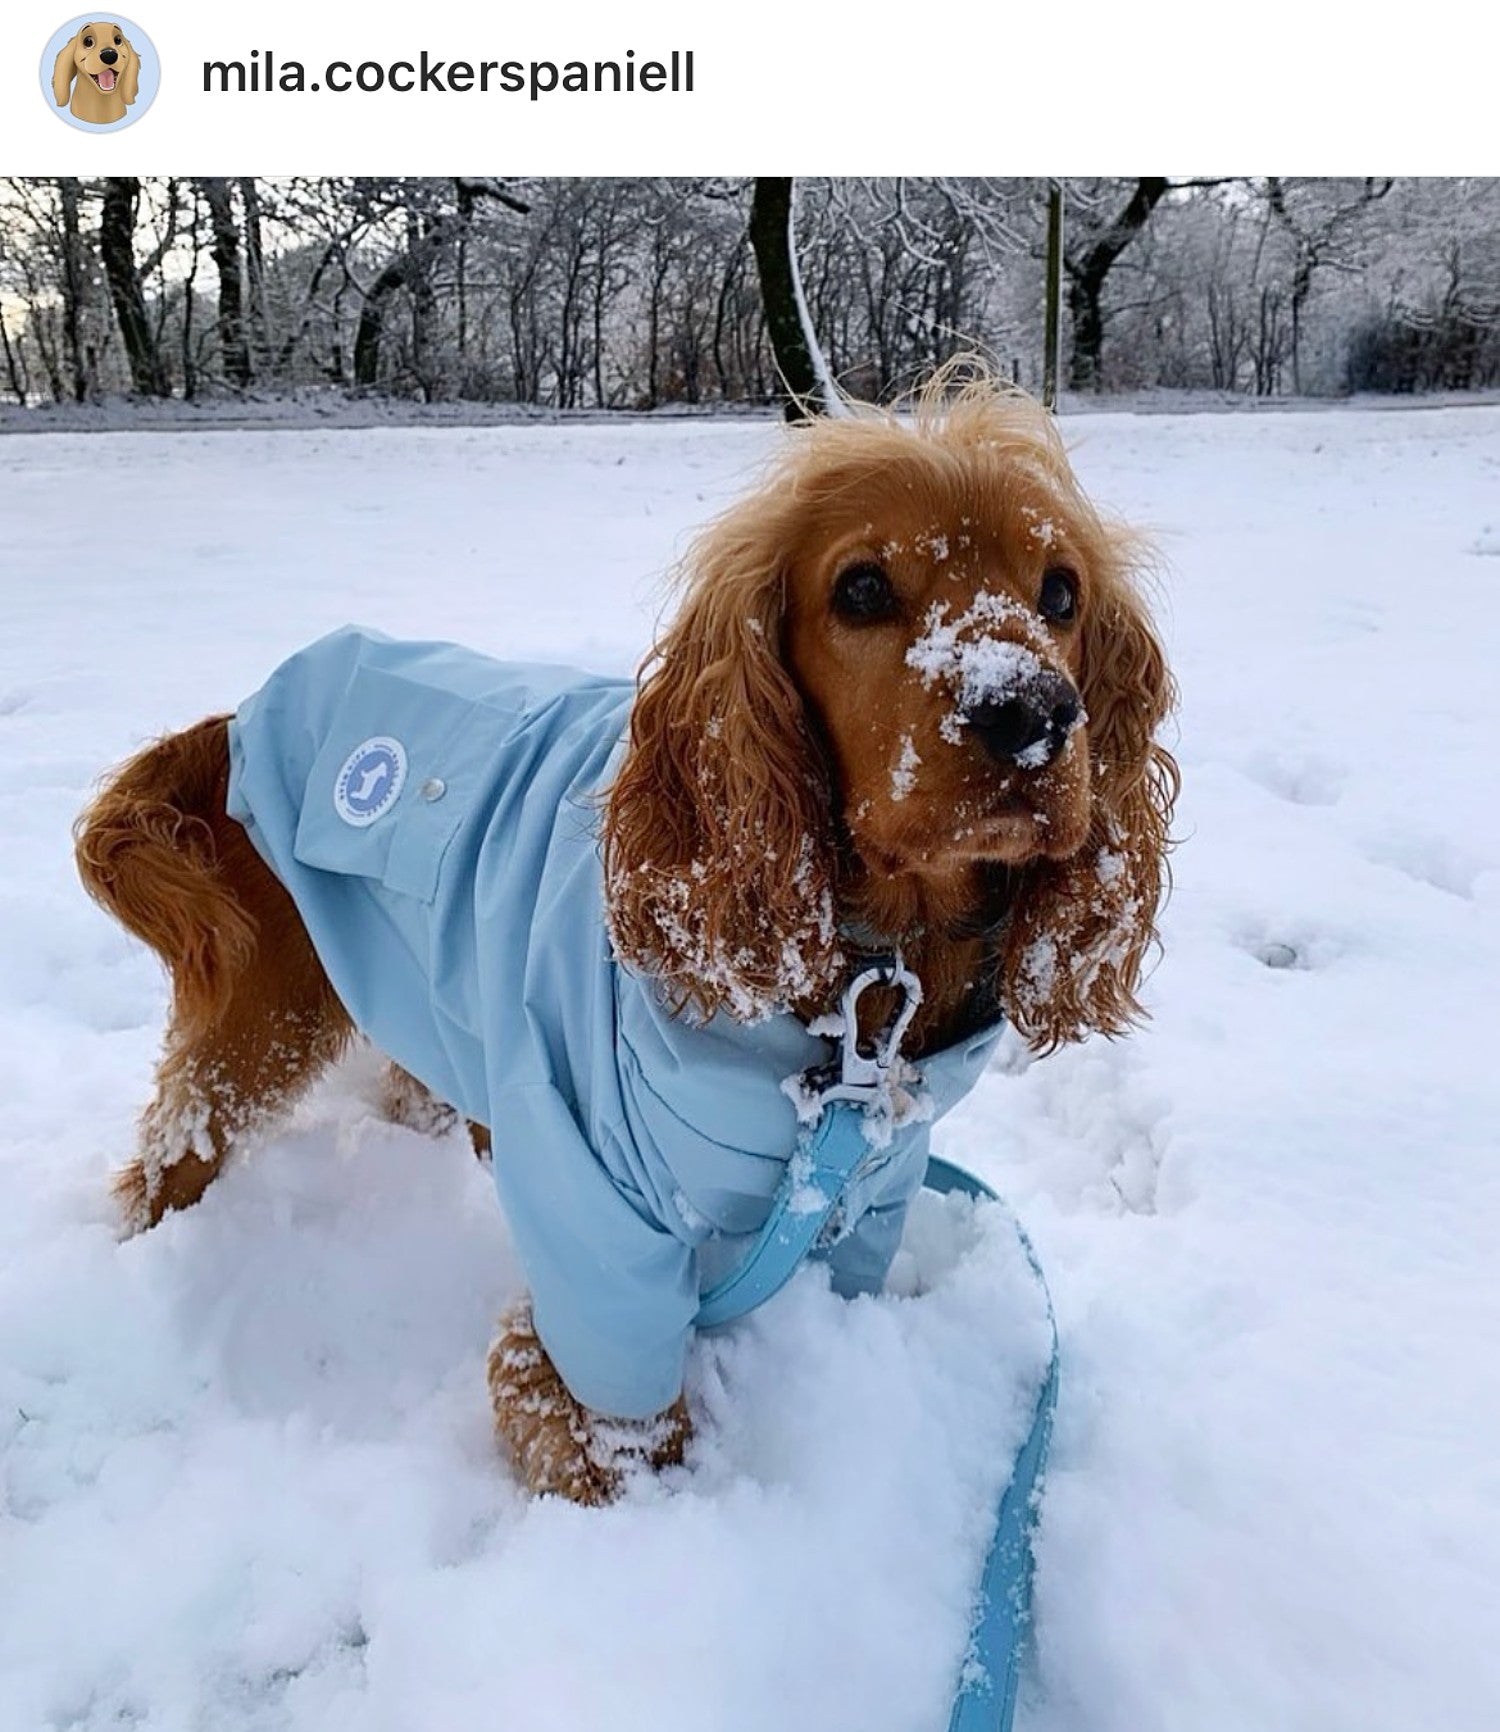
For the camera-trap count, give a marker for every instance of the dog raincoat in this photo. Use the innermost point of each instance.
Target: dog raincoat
(434, 815)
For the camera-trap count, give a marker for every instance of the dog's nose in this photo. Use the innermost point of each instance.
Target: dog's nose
(1031, 728)
(108, 56)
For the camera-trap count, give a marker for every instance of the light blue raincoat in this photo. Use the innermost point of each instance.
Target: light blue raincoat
(434, 815)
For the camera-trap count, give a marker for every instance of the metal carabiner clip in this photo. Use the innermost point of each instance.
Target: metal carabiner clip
(867, 1078)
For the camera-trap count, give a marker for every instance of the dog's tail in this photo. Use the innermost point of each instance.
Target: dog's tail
(148, 850)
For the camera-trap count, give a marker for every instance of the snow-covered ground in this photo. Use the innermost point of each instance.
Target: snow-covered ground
(247, 1475)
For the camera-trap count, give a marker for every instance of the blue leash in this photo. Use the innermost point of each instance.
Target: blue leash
(817, 1174)
(985, 1700)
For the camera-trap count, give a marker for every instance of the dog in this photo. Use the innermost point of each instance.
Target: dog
(102, 71)
(909, 703)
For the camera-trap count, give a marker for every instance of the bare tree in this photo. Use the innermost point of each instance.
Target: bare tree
(1325, 221)
(234, 347)
(259, 335)
(774, 243)
(430, 229)
(117, 248)
(1089, 264)
(74, 276)
(635, 292)
(191, 360)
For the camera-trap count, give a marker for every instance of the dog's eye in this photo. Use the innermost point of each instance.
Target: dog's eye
(118, 41)
(88, 42)
(1059, 598)
(864, 593)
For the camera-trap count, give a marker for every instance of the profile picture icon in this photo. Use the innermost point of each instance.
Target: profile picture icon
(102, 72)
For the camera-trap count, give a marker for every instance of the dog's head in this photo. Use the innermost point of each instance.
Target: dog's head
(101, 55)
(915, 660)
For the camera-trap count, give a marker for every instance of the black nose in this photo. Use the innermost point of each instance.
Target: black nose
(1031, 728)
(108, 56)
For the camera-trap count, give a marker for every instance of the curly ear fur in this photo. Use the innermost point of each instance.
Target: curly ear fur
(717, 840)
(130, 79)
(1081, 927)
(63, 73)
(719, 849)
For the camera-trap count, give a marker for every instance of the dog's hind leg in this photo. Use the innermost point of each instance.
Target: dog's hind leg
(254, 1019)
(216, 1087)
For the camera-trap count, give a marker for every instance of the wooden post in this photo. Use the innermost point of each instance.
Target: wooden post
(1052, 336)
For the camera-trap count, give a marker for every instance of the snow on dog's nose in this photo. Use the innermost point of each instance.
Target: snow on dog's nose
(1019, 706)
(1031, 725)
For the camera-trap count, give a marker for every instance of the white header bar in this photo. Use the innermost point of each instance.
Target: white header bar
(277, 87)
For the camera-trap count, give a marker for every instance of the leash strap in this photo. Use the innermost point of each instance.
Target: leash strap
(814, 1184)
(816, 1178)
(824, 1162)
(985, 1700)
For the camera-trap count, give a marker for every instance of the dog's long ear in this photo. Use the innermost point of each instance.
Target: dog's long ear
(718, 844)
(64, 72)
(130, 79)
(1081, 927)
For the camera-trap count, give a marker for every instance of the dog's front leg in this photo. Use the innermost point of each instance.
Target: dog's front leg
(559, 1446)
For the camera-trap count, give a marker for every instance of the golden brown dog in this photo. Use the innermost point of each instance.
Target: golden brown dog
(103, 72)
(912, 691)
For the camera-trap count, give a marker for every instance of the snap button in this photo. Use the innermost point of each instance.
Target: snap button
(433, 788)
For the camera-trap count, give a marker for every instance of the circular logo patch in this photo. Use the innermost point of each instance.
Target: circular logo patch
(370, 781)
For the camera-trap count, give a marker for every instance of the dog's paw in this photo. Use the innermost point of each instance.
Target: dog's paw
(405, 1101)
(144, 1191)
(131, 1190)
(560, 1447)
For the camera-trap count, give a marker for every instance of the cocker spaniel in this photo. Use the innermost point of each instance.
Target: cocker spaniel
(909, 702)
(97, 74)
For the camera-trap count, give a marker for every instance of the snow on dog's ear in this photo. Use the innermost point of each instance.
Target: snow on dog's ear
(1081, 927)
(717, 836)
(130, 78)
(64, 72)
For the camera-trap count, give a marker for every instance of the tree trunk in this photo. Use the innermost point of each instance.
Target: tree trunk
(781, 296)
(73, 286)
(257, 323)
(1085, 308)
(117, 248)
(12, 367)
(426, 238)
(1301, 289)
(233, 344)
(189, 300)
(423, 305)
(372, 319)
(410, 269)
(1088, 275)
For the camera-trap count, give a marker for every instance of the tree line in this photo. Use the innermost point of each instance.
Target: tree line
(617, 292)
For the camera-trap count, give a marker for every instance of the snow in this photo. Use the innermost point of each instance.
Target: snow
(978, 664)
(904, 776)
(248, 1481)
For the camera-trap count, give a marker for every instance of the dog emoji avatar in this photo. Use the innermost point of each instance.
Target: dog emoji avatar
(103, 72)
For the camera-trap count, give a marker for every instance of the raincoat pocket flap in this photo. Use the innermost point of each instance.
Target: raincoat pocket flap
(377, 803)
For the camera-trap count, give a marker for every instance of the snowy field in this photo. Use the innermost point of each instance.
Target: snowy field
(248, 1481)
